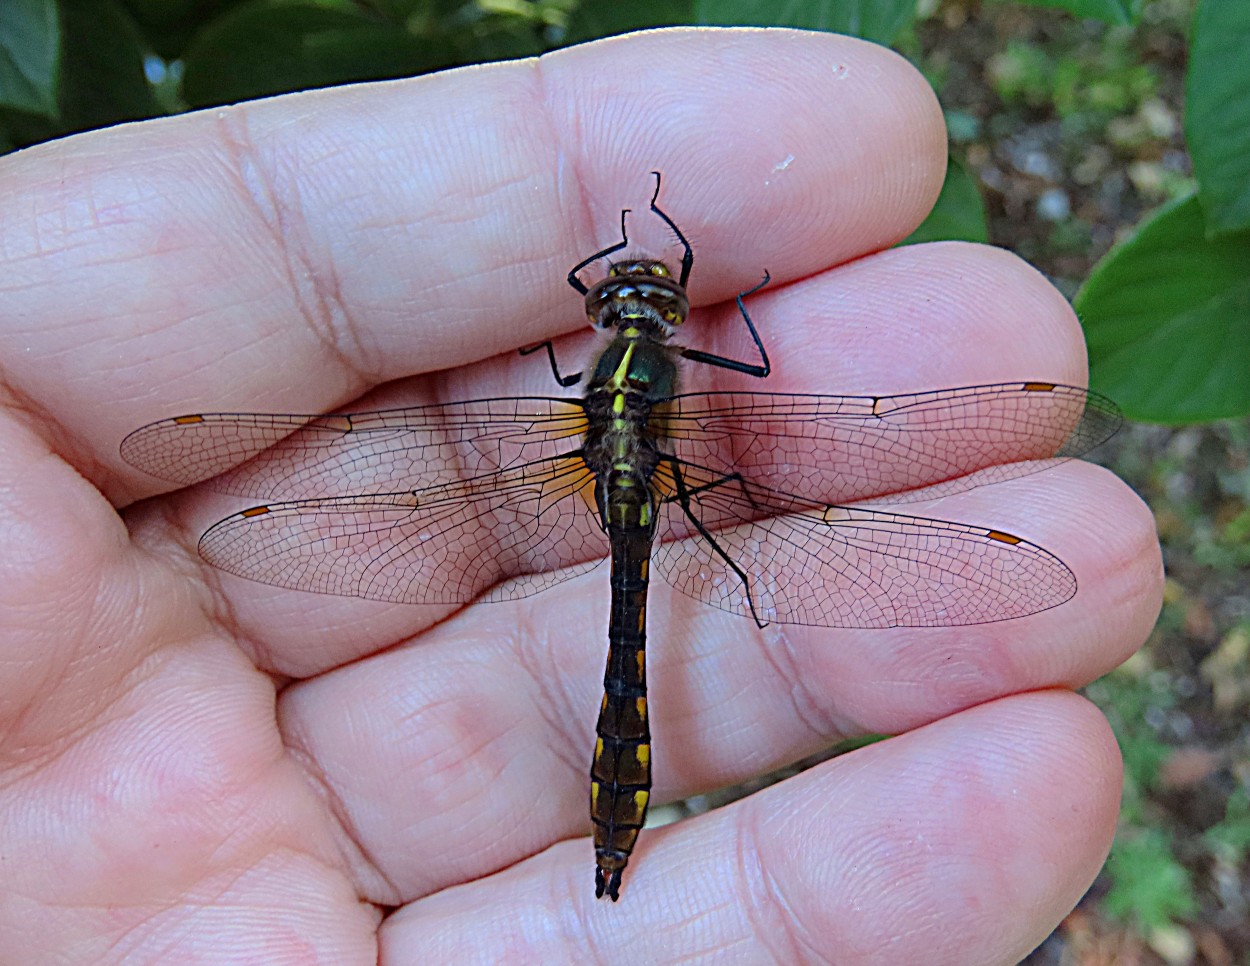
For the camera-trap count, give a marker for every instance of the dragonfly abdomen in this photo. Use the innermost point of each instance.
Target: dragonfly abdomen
(620, 785)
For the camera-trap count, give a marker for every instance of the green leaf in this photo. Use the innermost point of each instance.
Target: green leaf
(271, 47)
(1148, 885)
(1167, 317)
(103, 80)
(593, 18)
(30, 50)
(958, 214)
(1118, 13)
(1217, 112)
(878, 20)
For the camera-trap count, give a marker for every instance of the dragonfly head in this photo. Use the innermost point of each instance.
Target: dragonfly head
(637, 291)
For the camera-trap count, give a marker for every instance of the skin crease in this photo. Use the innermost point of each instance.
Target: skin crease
(201, 769)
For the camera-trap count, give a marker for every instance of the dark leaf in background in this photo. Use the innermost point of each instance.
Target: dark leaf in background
(494, 38)
(169, 25)
(878, 20)
(593, 18)
(1217, 112)
(30, 45)
(104, 82)
(267, 47)
(398, 11)
(1167, 317)
(1119, 13)
(958, 214)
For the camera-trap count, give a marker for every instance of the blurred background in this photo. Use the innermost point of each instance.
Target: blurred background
(1106, 141)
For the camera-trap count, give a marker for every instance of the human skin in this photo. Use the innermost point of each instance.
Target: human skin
(197, 768)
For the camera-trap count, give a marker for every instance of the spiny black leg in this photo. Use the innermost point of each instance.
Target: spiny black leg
(577, 282)
(564, 381)
(747, 368)
(687, 258)
(727, 478)
(683, 497)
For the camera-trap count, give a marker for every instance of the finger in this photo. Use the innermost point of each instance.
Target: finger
(288, 254)
(962, 843)
(491, 716)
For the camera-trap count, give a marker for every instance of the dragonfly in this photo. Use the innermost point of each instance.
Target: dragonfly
(766, 505)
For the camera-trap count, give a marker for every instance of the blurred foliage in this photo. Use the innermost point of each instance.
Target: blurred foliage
(1120, 12)
(1081, 90)
(1149, 886)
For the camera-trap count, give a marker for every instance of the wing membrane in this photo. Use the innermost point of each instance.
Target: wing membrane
(842, 449)
(294, 457)
(446, 544)
(838, 566)
(440, 504)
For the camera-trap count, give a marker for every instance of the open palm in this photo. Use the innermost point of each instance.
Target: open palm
(202, 768)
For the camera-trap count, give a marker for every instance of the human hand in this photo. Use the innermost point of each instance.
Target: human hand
(202, 768)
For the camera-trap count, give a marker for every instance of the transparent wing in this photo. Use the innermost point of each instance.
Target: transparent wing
(294, 457)
(530, 526)
(828, 448)
(843, 449)
(783, 559)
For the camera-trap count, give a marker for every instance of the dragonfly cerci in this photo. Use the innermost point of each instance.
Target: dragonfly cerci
(768, 505)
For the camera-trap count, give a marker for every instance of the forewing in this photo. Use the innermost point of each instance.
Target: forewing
(837, 566)
(293, 457)
(500, 536)
(842, 449)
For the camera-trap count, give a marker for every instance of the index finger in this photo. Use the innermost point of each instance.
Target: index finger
(289, 254)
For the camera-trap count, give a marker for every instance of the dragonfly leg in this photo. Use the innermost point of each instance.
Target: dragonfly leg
(565, 381)
(683, 496)
(687, 256)
(720, 481)
(735, 365)
(576, 282)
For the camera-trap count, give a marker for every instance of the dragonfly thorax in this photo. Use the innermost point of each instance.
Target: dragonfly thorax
(640, 293)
